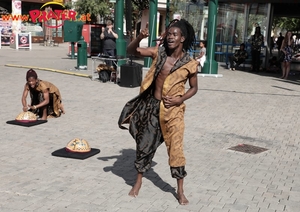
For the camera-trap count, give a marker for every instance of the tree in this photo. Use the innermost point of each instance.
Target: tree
(286, 23)
(68, 5)
(137, 8)
(102, 8)
(141, 4)
(94, 8)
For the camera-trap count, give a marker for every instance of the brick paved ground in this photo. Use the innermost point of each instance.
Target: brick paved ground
(238, 108)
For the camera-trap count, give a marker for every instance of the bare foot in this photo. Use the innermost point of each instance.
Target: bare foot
(135, 189)
(62, 109)
(182, 199)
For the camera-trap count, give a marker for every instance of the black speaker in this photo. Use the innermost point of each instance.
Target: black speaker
(131, 75)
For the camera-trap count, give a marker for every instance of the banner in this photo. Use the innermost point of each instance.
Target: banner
(6, 31)
(23, 41)
(16, 24)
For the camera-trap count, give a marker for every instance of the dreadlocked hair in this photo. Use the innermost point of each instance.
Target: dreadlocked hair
(187, 31)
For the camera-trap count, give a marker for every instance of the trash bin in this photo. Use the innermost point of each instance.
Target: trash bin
(81, 54)
(131, 75)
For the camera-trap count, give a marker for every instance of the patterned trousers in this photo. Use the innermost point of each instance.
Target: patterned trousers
(145, 129)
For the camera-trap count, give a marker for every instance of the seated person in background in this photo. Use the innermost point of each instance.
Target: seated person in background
(45, 97)
(202, 55)
(238, 57)
(274, 65)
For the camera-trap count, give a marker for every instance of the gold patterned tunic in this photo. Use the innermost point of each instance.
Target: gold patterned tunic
(36, 94)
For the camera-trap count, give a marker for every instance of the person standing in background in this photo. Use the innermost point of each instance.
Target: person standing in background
(256, 43)
(294, 39)
(202, 55)
(272, 43)
(287, 49)
(235, 38)
(109, 36)
(279, 42)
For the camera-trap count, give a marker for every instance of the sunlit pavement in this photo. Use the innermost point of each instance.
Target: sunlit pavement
(239, 108)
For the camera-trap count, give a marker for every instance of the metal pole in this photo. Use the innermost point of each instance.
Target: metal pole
(121, 43)
(73, 50)
(168, 13)
(152, 29)
(210, 65)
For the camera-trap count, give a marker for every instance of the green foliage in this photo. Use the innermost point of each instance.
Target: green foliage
(137, 7)
(177, 6)
(68, 5)
(102, 8)
(136, 14)
(141, 4)
(286, 23)
(94, 8)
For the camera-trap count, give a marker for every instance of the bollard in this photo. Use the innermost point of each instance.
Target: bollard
(81, 54)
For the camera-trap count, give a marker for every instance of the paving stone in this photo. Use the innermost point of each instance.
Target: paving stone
(238, 108)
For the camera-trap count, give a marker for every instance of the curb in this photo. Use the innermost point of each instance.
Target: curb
(49, 69)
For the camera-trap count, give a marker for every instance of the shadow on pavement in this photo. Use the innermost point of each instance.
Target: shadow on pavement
(124, 167)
